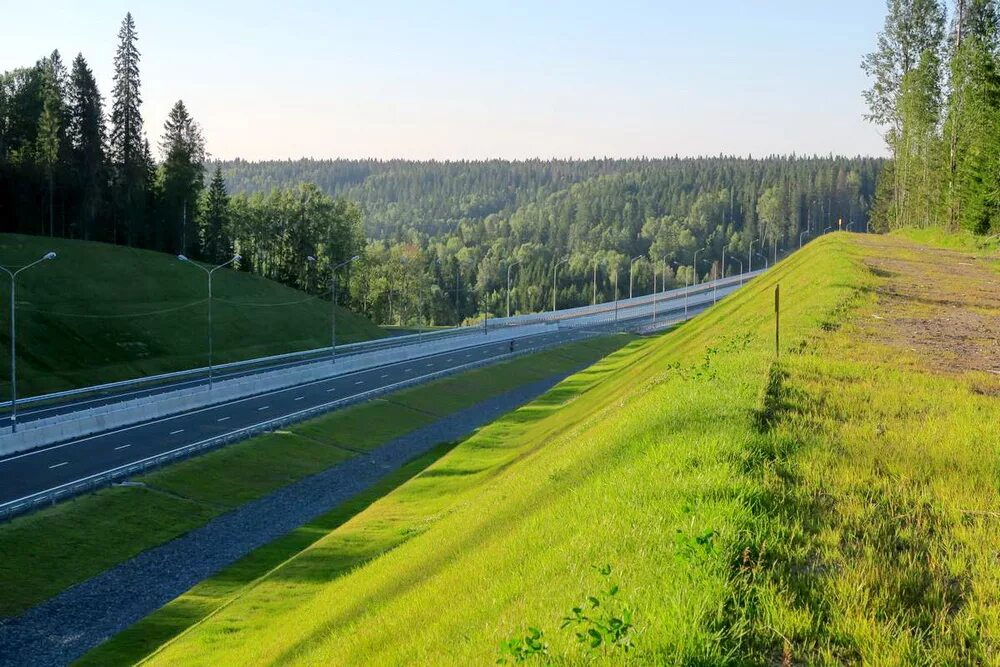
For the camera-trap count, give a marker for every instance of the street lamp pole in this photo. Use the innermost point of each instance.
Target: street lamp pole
(695, 279)
(555, 268)
(594, 301)
(750, 257)
(800, 238)
(333, 306)
(631, 269)
(13, 333)
(617, 271)
(209, 273)
(508, 286)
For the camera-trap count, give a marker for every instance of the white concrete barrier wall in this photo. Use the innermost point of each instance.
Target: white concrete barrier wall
(78, 424)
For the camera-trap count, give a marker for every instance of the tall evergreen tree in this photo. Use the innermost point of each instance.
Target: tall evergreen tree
(49, 130)
(88, 139)
(215, 244)
(181, 179)
(126, 142)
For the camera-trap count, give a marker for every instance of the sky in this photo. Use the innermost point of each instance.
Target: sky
(473, 80)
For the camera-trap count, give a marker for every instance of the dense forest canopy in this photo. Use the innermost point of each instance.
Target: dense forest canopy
(443, 234)
(935, 91)
(436, 241)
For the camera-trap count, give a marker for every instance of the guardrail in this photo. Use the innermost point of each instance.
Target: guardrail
(51, 496)
(275, 362)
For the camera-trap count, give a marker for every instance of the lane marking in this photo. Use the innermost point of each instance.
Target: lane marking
(330, 391)
(59, 465)
(407, 370)
(384, 375)
(263, 407)
(360, 382)
(122, 447)
(429, 365)
(222, 419)
(180, 430)
(299, 398)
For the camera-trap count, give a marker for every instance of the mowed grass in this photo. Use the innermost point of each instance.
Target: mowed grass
(838, 506)
(50, 550)
(102, 313)
(638, 462)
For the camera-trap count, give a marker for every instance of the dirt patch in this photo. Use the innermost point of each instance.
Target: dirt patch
(943, 305)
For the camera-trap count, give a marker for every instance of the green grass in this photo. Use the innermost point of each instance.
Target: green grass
(838, 506)
(101, 313)
(48, 551)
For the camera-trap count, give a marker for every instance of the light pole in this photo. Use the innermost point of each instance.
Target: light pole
(695, 279)
(750, 257)
(741, 268)
(827, 229)
(849, 225)
(775, 250)
(800, 238)
(555, 268)
(617, 271)
(13, 333)
(209, 272)
(596, 264)
(508, 286)
(333, 306)
(631, 269)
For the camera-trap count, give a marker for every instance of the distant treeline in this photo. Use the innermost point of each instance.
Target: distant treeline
(442, 234)
(936, 93)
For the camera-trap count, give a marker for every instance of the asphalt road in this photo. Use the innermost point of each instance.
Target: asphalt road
(49, 467)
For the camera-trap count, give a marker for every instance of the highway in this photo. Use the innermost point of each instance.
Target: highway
(50, 467)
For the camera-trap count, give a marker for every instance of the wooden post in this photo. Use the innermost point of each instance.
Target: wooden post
(777, 320)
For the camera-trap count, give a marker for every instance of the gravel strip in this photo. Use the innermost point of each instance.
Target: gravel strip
(66, 626)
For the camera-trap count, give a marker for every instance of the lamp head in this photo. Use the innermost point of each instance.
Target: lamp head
(237, 257)
(310, 258)
(183, 258)
(355, 258)
(49, 255)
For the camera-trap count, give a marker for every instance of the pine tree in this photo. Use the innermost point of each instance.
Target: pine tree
(181, 180)
(49, 131)
(126, 142)
(215, 244)
(87, 138)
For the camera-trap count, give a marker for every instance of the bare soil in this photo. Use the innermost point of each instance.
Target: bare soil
(943, 305)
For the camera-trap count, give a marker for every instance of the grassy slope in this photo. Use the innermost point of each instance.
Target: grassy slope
(101, 313)
(636, 462)
(47, 551)
(832, 508)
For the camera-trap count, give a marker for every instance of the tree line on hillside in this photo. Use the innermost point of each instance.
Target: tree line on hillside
(442, 235)
(935, 89)
(71, 167)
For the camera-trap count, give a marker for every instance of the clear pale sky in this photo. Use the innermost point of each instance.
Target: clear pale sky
(455, 80)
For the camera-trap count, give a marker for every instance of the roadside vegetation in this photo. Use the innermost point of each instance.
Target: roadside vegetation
(101, 313)
(689, 500)
(52, 549)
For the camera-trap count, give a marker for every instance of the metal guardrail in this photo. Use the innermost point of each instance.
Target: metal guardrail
(275, 362)
(51, 496)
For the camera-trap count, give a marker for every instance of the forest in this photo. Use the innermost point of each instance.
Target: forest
(935, 93)
(435, 241)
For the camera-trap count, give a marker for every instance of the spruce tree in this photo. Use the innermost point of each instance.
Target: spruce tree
(126, 142)
(215, 244)
(181, 180)
(87, 138)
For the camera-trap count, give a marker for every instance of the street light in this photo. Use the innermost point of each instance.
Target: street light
(750, 257)
(695, 279)
(631, 269)
(827, 229)
(209, 273)
(741, 268)
(800, 238)
(508, 286)
(597, 262)
(333, 306)
(554, 270)
(13, 333)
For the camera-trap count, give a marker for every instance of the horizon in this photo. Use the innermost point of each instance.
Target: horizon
(452, 82)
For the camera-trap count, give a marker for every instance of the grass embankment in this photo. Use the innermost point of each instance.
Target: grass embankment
(837, 506)
(52, 549)
(101, 313)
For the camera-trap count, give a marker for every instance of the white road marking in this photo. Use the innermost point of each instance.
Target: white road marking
(429, 365)
(385, 375)
(263, 407)
(299, 398)
(222, 419)
(330, 391)
(59, 465)
(360, 382)
(180, 430)
(122, 447)
(407, 370)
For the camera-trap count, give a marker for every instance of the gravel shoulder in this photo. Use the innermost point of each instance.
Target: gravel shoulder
(64, 627)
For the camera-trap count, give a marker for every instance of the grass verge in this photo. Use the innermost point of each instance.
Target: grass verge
(835, 506)
(50, 550)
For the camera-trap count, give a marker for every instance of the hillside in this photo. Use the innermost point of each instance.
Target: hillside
(100, 313)
(692, 499)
